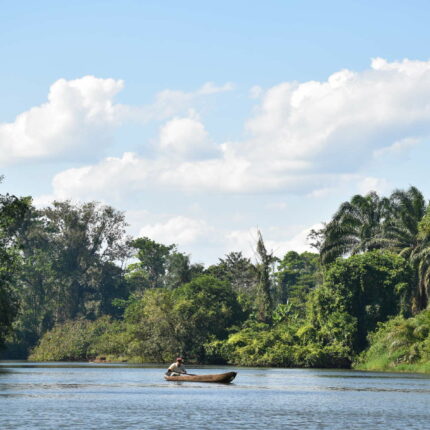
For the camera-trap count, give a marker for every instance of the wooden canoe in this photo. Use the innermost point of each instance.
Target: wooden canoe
(220, 377)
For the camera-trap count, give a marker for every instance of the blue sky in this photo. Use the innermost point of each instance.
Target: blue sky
(207, 120)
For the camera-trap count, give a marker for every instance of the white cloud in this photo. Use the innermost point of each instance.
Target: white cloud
(211, 88)
(304, 137)
(186, 138)
(397, 148)
(335, 126)
(76, 120)
(242, 240)
(179, 230)
(298, 242)
(80, 116)
(278, 241)
(111, 178)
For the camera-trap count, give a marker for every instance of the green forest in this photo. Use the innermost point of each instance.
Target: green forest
(75, 286)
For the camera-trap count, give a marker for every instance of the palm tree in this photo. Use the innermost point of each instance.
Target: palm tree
(400, 224)
(354, 227)
(405, 233)
(407, 209)
(421, 258)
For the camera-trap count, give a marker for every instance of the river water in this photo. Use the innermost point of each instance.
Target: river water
(97, 396)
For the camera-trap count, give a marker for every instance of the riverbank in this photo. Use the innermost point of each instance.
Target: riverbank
(382, 365)
(399, 345)
(377, 365)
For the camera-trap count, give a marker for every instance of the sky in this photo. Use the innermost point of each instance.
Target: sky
(208, 121)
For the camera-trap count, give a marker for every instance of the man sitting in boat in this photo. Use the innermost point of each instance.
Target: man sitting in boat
(177, 368)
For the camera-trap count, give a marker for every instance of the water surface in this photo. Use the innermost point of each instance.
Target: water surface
(94, 396)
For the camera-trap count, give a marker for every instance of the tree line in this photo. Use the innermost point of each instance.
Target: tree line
(74, 286)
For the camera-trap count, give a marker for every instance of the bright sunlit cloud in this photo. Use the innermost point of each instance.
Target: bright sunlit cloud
(304, 137)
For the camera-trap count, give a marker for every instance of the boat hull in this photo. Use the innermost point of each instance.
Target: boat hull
(221, 377)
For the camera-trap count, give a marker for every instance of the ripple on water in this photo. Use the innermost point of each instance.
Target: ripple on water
(122, 397)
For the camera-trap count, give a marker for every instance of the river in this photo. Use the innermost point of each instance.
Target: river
(98, 396)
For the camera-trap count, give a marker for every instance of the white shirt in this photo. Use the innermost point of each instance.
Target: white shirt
(177, 368)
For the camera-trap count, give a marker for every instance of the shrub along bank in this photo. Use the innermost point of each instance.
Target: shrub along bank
(401, 344)
(204, 321)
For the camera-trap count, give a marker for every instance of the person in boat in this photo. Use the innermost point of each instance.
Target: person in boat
(177, 368)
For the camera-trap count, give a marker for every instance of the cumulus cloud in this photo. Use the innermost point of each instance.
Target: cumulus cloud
(336, 125)
(179, 230)
(80, 116)
(111, 178)
(303, 137)
(75, 120)
(186, 138)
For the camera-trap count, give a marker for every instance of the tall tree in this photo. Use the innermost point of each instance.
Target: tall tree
(164, 323)
(159, 266)
(239, 272)
(264, 299)
(297, 275)
(68, 253)
(13, 214)
(84, 239)
(407, 233)
(368, 222)
(153, 260)
(180, 270)
(365, 289)
(354, 227)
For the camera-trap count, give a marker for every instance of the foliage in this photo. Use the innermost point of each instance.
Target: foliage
(405, 234)
(68, 268)
(283, 345)
(81, 340)
(165, 323)
(399, 343)
(152, 324)
(264, 296)
(359, 292)
(152, 258)
(241, 274)
(297, 275)
(65, 286)
(8, 302)
(354, 227)
(159, 266)
(84, 241)
(13, 213)
(398, 224)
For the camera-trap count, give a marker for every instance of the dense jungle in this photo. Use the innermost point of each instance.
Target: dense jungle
(75, 286)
